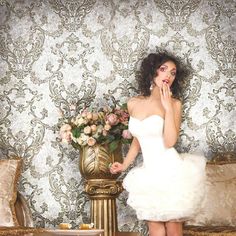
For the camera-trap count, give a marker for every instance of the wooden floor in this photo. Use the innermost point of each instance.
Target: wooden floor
(45, 233)
(126, 234)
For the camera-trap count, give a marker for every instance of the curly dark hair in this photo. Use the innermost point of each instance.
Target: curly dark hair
(148, 72)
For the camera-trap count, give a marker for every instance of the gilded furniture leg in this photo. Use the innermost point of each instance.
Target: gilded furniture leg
(103, 194)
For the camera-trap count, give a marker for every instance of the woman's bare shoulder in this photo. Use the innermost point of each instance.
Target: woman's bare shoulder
(177, 104)
(132, 101)
(135, 99)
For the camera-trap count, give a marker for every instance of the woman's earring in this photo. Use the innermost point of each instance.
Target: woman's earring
(151, 87)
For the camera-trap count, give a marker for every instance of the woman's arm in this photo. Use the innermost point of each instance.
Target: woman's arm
(172, 124)
(130, 157)
(173, 110)
(132, 153)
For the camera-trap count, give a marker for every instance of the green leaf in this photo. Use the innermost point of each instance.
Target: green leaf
(127, 141)
(75, 145)
(76, 132)
(113, 145)
(124, 106)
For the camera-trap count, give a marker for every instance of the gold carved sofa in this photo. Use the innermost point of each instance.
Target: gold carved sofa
(15, 215)
(217, 217)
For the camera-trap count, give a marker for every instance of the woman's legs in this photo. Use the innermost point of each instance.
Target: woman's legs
(156, 228)
(174, 228)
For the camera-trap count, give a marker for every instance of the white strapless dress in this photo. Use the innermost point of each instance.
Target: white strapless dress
(167, 186)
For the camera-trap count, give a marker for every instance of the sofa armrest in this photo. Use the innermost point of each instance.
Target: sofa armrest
(23, 212)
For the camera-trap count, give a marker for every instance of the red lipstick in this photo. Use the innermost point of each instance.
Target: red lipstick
(165, 81)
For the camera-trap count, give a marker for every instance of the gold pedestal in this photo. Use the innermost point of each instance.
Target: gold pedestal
(103, 194)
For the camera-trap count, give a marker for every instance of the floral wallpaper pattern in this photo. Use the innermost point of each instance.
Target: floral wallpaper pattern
(57, 55)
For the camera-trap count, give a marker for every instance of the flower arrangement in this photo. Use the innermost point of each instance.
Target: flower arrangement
(106, 126)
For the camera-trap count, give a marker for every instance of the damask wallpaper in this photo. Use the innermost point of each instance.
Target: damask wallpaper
(57, 55)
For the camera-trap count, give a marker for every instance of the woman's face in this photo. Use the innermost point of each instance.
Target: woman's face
(166, 74)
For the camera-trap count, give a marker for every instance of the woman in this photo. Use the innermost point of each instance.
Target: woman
(168, 188)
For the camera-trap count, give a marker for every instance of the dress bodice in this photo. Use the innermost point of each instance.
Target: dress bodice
(149, 133)
(149, 126)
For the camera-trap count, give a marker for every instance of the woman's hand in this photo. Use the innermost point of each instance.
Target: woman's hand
(117, 167)
(166, 100)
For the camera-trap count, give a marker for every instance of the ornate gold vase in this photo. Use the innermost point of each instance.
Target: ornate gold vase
(95, 161)
(101, 186)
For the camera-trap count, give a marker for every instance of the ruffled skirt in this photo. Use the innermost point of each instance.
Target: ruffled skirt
(170, 189)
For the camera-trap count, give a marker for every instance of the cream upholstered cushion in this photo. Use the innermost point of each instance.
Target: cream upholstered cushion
(219, 206)
(9, 174)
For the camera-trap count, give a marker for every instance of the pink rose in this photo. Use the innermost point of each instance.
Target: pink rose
(126, 134)
(93, 128)
(95, 116)
(65, 133)
(89, 115)
(91, 141)
(107, 127)
(112, 119)
(87, 130)
(104, 132)
(124, 117)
